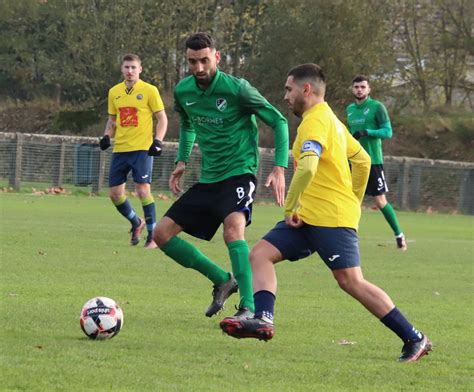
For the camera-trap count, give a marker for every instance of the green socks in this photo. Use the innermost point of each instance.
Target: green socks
(190, 257)
(389, 214)
(239, 257)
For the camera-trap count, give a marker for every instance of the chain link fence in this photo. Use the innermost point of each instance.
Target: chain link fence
(35, 161)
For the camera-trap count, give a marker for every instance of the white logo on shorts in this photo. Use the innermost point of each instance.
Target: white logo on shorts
(145, 176)
(334, 257)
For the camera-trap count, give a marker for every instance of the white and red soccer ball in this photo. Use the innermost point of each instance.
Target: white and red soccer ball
(101, 318)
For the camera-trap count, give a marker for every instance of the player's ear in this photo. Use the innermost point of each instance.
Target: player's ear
(218, 56)
(307, 89)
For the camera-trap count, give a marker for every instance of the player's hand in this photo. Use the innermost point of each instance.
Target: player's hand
(276, 179)
(156, 148)
(104, 143)
(175, 177)
(357, 135)
(294, 221)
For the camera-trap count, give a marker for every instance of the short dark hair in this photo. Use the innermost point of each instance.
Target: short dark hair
(360, 78)
(131, 57)
(307, 71)
(200, 40)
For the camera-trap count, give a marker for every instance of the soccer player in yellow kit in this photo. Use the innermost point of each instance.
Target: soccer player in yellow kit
(132, 104)
(322, 213)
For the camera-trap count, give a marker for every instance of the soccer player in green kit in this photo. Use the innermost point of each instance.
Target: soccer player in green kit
(218, 111)
(369, 123)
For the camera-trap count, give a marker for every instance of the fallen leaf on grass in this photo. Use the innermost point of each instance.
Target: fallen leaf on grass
(345, 342)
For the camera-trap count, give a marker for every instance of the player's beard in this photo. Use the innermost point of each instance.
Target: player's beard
(360, 99)
(298, 107)
(205, 80)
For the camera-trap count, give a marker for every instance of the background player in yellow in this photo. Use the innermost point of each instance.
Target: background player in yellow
(322, 212)
(132, 105)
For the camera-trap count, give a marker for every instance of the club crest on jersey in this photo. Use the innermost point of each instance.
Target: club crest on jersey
(221, 104)
(139, 97)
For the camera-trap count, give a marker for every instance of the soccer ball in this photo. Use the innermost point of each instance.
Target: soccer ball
(101, 318)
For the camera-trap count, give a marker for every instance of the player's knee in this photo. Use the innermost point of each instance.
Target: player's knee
(347, 283)
(253, 256)
(344, 284)
(143, 193)
(160, 236)
(232, 234)
(258, 255)
(380, 202)
(115, 198)
(164, 231)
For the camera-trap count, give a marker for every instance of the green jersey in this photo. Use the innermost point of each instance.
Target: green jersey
(222, 120)
(372, 116)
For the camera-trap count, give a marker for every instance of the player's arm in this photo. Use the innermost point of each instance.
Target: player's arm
(254, 103)
(384, 130)
(360, 164)
(161, 127)
(187, 135)
(306, 168)
(111, 125)
(109, 132)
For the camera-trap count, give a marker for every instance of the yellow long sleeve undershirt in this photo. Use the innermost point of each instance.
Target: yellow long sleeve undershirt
(360, 163)
(305, 171)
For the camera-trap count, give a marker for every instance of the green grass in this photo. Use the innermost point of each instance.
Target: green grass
(59, 251)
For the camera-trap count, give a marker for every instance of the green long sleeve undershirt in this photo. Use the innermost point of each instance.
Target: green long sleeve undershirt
(384, 132)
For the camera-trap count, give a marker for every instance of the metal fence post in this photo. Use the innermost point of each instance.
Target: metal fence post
(59, 173)
(415, 187)
(405, 184)
(15, 177)
(98, 180)
(466, 193)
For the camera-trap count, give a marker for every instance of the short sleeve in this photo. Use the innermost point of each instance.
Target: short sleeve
(112, 110)
(155, 102)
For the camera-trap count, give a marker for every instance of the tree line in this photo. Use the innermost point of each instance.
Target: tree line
(417, 51)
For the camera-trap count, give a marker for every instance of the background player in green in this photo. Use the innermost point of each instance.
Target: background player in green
(369, 123)
(218, 111)
(132, 104)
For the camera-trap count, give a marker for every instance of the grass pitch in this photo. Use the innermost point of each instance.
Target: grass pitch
(59, 251)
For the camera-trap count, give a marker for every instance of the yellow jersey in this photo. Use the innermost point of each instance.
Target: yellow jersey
(134, 115)
(329, 200)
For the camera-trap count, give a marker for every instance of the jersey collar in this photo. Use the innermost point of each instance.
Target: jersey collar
(136, 86)
(365, 103)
